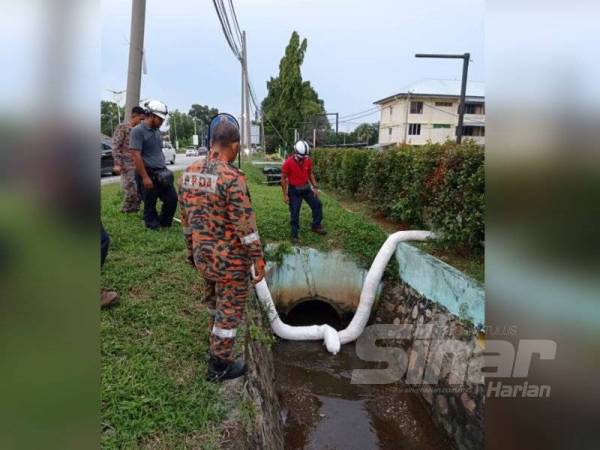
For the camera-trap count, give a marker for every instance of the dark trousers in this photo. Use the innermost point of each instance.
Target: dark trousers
(296, 196)
(104, 243)
(167, 195)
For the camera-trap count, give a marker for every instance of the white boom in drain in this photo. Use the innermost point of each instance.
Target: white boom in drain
(334, 339)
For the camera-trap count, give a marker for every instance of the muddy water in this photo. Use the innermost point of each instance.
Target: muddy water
(323, 410)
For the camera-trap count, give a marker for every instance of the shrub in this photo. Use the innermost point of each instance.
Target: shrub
(436, 186)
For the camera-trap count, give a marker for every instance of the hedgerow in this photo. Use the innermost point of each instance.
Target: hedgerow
(437, 186)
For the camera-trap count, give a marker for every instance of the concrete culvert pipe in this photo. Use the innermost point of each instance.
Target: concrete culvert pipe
(332, 338)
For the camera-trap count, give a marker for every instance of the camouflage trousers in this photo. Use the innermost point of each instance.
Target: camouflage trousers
(131, 193)
(225, 302)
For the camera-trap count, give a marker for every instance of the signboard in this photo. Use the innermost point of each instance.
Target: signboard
(195, 139)
(255, 134)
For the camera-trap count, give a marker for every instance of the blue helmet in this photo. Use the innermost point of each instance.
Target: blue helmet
(217, 119)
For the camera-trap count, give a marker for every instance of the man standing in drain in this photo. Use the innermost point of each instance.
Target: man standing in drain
(298, 183)
(222, 241)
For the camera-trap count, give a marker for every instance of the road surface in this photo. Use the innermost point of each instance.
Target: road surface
(181, 162)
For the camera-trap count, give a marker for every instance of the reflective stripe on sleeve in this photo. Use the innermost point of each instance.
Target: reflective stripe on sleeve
(224, 333)
(249, 239)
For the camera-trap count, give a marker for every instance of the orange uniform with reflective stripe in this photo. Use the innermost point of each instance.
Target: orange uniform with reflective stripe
(218, 221)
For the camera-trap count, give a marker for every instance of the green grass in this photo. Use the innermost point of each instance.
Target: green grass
(154, 342)
(346, 231)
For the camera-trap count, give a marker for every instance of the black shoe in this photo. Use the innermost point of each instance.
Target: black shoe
(153, 226)
(319, 230)
(295, 241)
(220, 370)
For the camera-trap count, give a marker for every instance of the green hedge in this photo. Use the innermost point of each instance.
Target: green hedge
(436, 186)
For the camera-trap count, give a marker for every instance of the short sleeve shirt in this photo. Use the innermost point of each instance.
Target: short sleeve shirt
(148, 142)
(297, 173)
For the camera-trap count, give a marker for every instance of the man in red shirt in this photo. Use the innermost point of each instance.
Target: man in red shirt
(298, 183)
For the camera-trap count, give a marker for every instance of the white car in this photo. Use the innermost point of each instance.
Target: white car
(191, 151)
(169, 152)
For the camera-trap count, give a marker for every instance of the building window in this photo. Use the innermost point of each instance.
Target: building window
(414, 129)
(474, 108)
(474, 131)
(441, 125)
(444, 104)
(390, 131)
(416, 107)
(391, 111)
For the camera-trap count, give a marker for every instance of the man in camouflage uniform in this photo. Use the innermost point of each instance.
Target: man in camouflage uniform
(124, 164)
(222, 241)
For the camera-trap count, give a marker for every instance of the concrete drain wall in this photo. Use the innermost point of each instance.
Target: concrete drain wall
(430, 293)
(444, 307)
(306, 274)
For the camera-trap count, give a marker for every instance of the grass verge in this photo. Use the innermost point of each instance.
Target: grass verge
(153, 344)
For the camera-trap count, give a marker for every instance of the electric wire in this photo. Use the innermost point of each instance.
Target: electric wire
(221, 15)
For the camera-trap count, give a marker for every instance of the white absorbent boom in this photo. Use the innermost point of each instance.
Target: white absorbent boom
(334, 339)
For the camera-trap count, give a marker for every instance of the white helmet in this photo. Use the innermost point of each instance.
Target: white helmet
(157, 108)
(301, 148)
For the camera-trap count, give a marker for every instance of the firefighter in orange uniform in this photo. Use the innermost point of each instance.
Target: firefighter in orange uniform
(222, 241)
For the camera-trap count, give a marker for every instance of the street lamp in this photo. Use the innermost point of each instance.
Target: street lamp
(463, 89)
(117, 97)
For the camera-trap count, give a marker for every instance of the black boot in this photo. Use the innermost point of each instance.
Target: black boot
(319, 230)
(220, 370)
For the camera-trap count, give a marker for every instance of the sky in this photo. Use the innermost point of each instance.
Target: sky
(358, 51)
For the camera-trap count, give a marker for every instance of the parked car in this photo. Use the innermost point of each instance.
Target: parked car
(169, 152)
(191, 151)
(202, 151)
(107, 161)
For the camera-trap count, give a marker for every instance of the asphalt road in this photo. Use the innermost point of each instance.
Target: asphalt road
(181, 162)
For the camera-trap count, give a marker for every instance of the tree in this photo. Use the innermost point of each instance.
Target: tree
(291, 103)
(202, 114)
(181, 128)
(367, 132)
(109, 118)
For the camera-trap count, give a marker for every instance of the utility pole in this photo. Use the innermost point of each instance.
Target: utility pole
(243, 113)
(136, 54)
(262, 134)
(242, 137)
(314, 137)
(463, 89)
(247, 94)
(337, 119)
(174, 133)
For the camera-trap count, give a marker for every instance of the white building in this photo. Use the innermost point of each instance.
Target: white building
(428, 111)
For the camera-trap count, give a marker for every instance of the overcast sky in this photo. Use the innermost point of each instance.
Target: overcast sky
(358, 51)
